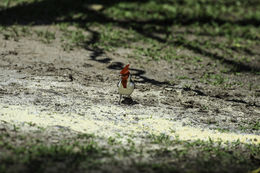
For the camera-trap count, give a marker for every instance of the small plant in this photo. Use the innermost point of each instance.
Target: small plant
(182, 77)
(31, 124)
(45, 36)
(161, 139)
(214, 79)
(86, 136)
(111, 141)
(15, 128)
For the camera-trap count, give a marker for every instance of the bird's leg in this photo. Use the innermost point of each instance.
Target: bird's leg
(120, 99)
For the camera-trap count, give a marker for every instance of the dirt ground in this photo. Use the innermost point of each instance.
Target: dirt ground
(196, 68)
(77, 90)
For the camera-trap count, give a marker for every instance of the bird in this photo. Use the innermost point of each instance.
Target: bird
(125, 85)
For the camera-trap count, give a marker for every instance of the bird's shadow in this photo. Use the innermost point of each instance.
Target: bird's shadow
(129, 101)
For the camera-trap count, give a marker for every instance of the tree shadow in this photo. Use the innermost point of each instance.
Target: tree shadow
(49, 12)
(137, 72)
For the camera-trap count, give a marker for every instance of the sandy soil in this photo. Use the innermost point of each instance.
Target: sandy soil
(42, 84)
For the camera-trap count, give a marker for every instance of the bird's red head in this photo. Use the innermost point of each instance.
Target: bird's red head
(124, 75)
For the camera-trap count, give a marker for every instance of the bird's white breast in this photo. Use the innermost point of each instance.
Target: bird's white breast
(128, 90)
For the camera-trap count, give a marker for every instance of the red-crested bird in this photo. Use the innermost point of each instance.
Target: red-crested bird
(125, 86)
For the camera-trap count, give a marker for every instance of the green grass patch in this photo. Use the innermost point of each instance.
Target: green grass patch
(84, 153)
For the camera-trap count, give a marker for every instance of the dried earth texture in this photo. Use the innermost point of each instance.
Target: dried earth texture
(196, 106)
